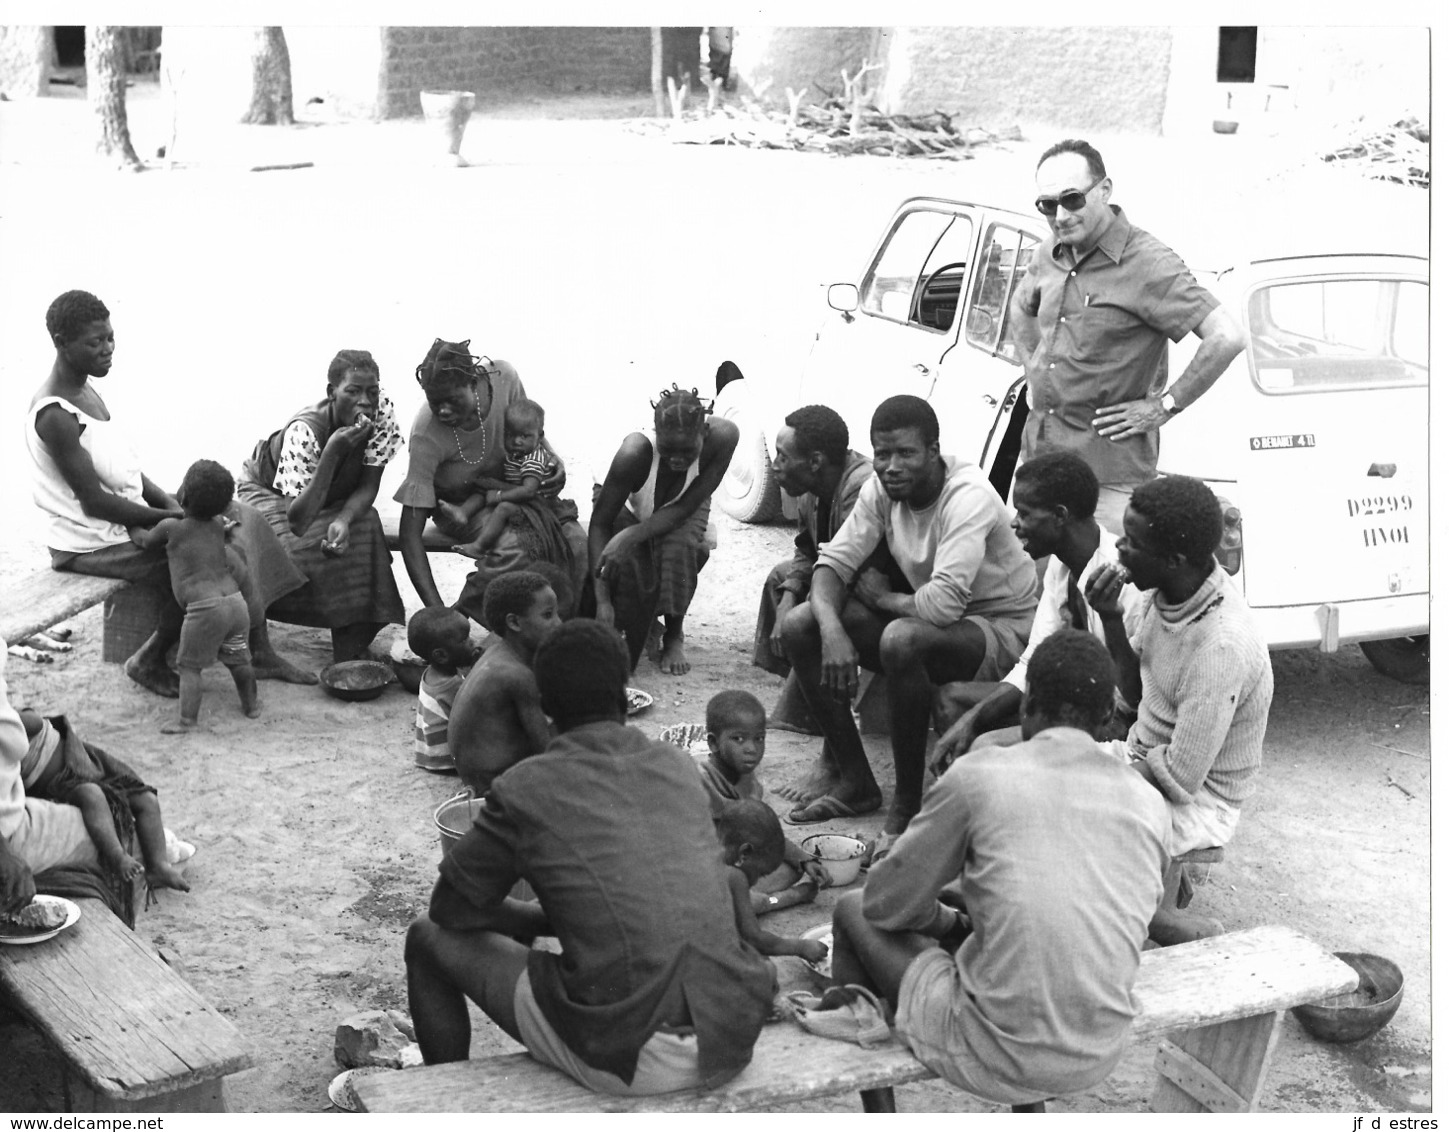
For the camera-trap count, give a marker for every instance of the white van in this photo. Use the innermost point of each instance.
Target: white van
(1316, 439)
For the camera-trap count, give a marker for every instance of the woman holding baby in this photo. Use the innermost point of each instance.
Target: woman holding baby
(315, 480)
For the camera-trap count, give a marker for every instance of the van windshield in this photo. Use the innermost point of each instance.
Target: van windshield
(1339, 333)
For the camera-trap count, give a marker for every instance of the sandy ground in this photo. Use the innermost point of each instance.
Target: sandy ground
(316, 843)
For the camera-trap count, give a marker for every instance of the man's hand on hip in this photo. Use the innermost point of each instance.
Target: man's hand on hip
(1130, 418)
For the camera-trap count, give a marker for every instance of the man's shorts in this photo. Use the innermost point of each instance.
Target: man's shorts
(667, 1063)
(52, 834)
(1204, 822)
(215, 627)
(926, 1021)
(1006, 639)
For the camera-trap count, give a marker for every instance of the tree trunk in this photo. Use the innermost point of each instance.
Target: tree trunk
(271, 80)
(106, 92)
(656, 69)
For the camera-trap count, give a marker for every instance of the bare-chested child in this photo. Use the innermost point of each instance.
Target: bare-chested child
(496, 719)
(204, 578)
(439, 635)
(60, 767)
(527, 466)
(754, 846)
(734, 724)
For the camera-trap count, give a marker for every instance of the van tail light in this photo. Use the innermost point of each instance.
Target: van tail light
(1230, 549)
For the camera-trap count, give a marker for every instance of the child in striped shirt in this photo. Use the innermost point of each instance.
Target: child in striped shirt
(526, 465)
(440, 636)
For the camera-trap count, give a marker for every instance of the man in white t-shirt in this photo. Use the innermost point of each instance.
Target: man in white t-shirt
(1055, 497)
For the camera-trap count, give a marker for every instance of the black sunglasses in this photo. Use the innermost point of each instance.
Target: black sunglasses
(1073, 200)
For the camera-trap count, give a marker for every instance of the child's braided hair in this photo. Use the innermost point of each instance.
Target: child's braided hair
(679, 410)
(453, 363)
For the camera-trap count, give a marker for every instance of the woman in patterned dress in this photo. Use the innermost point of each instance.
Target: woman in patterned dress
(315, 479)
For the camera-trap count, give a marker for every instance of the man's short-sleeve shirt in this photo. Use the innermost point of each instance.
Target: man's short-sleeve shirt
(1105, 322)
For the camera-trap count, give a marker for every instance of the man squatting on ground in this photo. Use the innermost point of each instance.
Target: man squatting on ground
(958, 605)
(654, 990)
(1092, 318)
(1059, 851)
(1198, 668)
(1055, 498)
(815, 465)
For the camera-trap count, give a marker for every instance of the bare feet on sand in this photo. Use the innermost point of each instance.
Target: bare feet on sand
(167, 876)
(271, 666)
(821, 778)
(671, 656)
(179, 726)
(154, 676)
(253, 712)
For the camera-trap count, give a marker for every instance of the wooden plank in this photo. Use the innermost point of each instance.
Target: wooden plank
(1192, 1077)
(1233, 976)
(1202, 984)
(789, 1064)
(1236, 1054)
(44, 597)
(116, 1012)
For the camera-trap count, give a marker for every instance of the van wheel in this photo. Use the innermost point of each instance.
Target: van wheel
(1405, 659)
(749, 491)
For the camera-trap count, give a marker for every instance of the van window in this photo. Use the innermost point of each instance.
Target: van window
(918, 275)
(1004, 260)
(1339, 333)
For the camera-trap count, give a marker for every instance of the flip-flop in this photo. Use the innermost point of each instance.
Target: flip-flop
(826, 807)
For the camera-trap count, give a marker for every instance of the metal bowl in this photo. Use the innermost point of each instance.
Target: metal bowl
(356, 679)
(841, 855)
(1356, 1014)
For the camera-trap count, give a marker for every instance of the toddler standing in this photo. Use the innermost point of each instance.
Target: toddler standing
(204, 573)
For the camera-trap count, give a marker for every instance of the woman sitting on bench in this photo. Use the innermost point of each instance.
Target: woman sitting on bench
(315, 480)
(88, 479)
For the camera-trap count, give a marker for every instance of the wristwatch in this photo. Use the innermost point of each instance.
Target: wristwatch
(1170, 405)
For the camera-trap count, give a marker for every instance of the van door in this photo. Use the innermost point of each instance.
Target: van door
(1334, 441)
(906, 318)
(981, 375)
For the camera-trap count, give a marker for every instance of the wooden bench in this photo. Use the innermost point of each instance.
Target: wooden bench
(135, 1037)
(44, 597)
(1216, 1005)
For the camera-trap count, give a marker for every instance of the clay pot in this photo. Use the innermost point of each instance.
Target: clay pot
(449, 111)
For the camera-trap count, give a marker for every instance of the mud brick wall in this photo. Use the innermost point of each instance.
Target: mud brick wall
(25, 59)
(494, 60)
(1096, 78)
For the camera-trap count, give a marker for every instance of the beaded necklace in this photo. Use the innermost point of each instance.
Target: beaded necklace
(482, 447)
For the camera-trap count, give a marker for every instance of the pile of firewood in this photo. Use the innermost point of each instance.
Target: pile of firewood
(1397, 153)
(845, 123)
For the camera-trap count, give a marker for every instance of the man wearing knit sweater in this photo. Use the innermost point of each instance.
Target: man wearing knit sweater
(1199, 667)
(942, 591)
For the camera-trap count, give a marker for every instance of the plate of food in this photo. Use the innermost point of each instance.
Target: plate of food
(43, 918)
(638, 700)
(825, 934)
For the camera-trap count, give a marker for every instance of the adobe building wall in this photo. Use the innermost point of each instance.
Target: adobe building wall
(766, 60)
(493, 60)
(1088, 78)
(25, 60)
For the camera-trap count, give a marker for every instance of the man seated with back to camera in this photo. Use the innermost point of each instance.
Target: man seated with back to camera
(1059, 852)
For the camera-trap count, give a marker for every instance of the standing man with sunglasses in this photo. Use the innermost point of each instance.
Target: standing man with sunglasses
(1094, 314)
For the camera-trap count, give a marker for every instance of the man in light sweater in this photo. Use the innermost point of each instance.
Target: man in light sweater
(942, 591)
(1198, 667)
